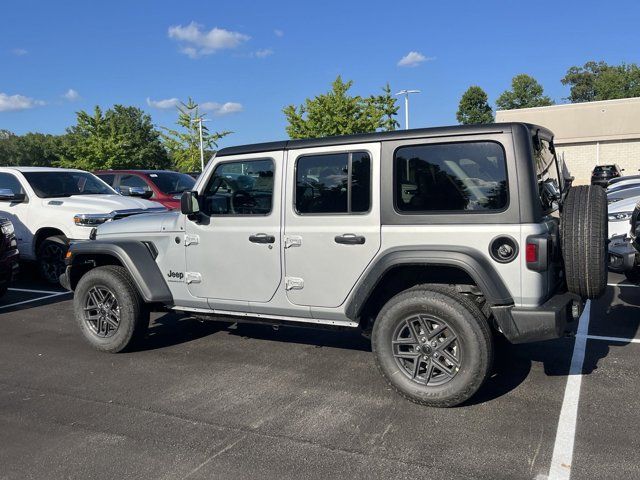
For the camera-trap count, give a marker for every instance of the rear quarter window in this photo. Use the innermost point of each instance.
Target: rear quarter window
(451, 177)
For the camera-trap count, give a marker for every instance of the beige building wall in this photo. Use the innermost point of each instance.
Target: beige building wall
(589, 134)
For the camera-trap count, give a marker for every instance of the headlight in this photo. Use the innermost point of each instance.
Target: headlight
(620, 216)
(91, 219)
(7, 228)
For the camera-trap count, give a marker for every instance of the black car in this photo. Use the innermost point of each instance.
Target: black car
(8, 255)
(603, 173)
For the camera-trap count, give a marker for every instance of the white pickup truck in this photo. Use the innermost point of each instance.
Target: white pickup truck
(50, 207)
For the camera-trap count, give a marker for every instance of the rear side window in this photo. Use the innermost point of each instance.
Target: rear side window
(333, 183)
(451, 177)
(106, 178)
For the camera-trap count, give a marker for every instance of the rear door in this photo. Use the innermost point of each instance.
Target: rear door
(332, 221)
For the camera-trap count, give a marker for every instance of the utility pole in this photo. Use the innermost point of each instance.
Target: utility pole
(406, 94)
(200, 120)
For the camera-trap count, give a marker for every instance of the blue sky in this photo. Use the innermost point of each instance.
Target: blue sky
(248, 59)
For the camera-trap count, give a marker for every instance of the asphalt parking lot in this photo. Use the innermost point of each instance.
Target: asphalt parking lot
(219, 400)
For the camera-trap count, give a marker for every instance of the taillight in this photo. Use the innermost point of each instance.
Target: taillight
(538, 252)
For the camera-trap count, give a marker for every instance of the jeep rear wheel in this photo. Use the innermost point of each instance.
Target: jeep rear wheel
(50, 256)
(109, 310)
(584, 240)
(433, 346)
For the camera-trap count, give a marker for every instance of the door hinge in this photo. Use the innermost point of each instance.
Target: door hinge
(292, 241)
(192, 277)
(191, 240)
(293, 283)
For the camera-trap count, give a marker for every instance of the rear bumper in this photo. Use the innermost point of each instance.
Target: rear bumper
(546, 322)
(622, 254)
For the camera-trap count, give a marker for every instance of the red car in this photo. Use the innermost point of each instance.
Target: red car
(162, 186)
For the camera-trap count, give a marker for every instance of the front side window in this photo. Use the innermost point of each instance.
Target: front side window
(10, 182)
(172, 183)
(451, 177)
(240, 188)
(333, 183)
(66, 184)
(128, 180)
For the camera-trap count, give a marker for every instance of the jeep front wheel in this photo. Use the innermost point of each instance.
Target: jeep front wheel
(109, 310)
(433, 346)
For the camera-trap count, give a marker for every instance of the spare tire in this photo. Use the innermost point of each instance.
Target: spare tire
(583, 230)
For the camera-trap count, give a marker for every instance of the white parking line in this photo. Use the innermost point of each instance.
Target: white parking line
(46, 292)
(622, 285)
(57, 294)
(613, 339)
(565, 435)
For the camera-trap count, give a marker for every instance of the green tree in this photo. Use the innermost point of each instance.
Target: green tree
(474, 107)
(31, 149)
(338, 113)
(121, 138)
(601, 81)
(525, 92)
(184, 144)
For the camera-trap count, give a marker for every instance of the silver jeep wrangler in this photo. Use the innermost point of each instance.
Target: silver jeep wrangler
(432, 241)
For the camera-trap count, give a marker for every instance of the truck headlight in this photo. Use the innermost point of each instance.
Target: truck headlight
(91, 219)
(7, 228)
(620, 216)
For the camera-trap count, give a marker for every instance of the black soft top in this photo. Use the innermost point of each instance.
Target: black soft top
(450, 131)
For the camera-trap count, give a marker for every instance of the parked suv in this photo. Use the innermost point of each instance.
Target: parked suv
(602, 174)
(162, 186)
(431, 241)
(8, 253)
(49, 207)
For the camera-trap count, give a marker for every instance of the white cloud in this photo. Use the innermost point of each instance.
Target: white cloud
(413, 59)
(17, 102)
(163, 104)
(219, 109)
(278, 33)
(19, 52)
(71, 95)
(196, 42)
(265, 52)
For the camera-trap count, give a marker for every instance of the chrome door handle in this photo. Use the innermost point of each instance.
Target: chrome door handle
(350, 239)
(262, 238)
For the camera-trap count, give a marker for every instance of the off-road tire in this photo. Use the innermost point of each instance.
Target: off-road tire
(50, 258)
(134, 316)
(470, 326)
(584, 240)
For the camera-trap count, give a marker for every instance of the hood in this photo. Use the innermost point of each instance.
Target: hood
(626, 205)
(99, 203)
(166, 222)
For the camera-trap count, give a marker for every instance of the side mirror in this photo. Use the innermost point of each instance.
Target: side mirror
(140, 192)
(189, 204)
(7, 195)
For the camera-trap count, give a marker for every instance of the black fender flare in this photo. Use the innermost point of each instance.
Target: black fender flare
(471, 261)
(135, 256)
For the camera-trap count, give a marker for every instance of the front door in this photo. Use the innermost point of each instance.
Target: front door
(332, 221)
(233, 251)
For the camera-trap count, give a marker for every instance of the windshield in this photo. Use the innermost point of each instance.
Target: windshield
(66, 184)
(172, 182)
(604, 169)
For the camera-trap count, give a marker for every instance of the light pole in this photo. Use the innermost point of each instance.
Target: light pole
(406, 94)
(200, 120)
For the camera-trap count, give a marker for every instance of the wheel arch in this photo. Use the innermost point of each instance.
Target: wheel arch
(402, 268)
(42, 234)
(135, 256)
